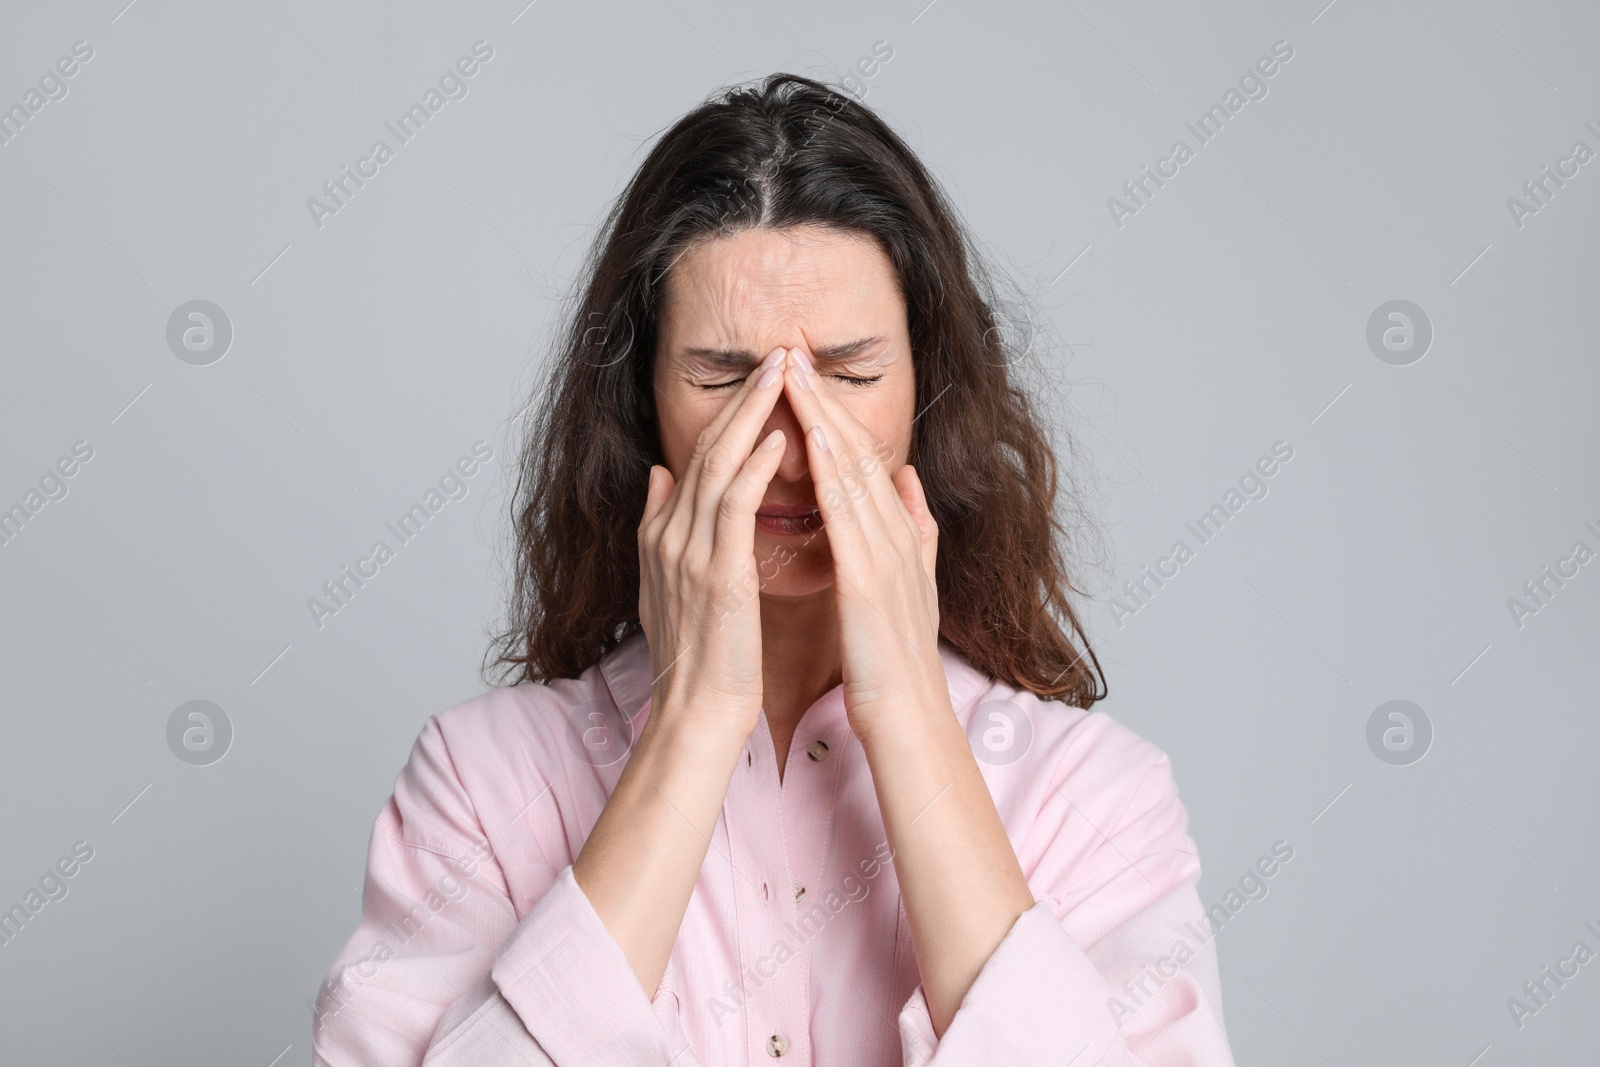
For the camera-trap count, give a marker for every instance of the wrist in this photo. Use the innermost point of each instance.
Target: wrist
(699, 721)
(917, 708)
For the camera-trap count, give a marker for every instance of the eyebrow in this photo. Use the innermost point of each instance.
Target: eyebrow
(741, 358)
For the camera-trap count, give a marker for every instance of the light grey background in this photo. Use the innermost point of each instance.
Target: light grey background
(1229, 313)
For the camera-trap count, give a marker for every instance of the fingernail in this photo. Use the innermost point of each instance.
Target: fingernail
(772, 358)
(774, 439)
(821, 438)
(770, 376)
(804, 360)
(802, 373)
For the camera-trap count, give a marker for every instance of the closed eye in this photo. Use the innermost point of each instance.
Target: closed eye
(852, 379)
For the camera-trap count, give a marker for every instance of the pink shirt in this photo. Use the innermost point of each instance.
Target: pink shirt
(477, 946)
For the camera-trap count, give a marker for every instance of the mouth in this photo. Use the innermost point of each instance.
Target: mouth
(789, 520)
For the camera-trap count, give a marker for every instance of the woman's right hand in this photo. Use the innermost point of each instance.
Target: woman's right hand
(700, 606)
(699, 592)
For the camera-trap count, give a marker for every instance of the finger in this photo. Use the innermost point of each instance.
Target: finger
(863, 459)
(723, 457)
(656, 492)
(714, 429)
(733, 546)
(858, 478)
(836, 500)
(909, 484)
(658, 503)
(680, 511)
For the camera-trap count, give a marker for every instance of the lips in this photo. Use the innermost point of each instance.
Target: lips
(789, 519)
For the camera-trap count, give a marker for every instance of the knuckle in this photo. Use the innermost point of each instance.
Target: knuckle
(717, 459)
(669, 545)
(732, 502)
(704, 440)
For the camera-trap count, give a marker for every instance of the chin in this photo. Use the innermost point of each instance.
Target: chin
(800, 571)
(795, 590)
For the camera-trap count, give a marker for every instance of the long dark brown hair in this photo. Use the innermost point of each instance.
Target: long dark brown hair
(784, 152)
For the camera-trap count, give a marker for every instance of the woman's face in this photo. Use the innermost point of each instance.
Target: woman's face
(729, 302)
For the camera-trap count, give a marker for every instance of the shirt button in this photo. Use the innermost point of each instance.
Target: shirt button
(799, 890)
(777, 1045)
(817, 750)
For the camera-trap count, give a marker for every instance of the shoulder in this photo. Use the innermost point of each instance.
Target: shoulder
(1050, 750)
(479, 762)
(1086, 801)
(601, 702)
(499, 722)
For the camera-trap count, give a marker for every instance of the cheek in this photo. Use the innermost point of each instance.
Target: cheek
(681, 417)
(888, 416)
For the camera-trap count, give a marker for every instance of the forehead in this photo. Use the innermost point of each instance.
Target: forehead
(753, 284)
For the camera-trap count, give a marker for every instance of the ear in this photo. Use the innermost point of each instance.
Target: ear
(909, 486)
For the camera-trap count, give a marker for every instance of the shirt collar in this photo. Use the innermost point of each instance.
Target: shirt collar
(627, 669)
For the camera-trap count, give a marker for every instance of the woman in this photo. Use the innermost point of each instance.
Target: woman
(811, 776)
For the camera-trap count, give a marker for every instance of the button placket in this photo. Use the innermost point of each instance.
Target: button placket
(808, 800)
(815, 795)
(775, 1011)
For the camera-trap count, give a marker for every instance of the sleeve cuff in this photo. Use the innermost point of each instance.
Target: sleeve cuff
(1038, 1000)
(917, 1040)
(574, 990)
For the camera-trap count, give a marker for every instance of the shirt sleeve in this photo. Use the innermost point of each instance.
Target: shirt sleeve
(1114, 963)
(441, 970)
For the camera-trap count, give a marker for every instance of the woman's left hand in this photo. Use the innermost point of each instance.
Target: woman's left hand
(884, 543)
(959, 902)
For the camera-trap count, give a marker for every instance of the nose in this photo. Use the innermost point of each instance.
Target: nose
(794, 466)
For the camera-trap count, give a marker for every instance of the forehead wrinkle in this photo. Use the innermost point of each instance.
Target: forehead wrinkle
(740, 291)
(734, 308)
